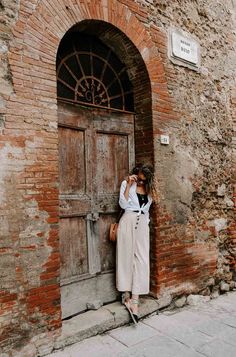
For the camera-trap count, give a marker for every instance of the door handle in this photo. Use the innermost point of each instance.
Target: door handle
(93, 216)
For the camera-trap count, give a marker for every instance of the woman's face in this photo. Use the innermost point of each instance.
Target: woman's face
(141, 179)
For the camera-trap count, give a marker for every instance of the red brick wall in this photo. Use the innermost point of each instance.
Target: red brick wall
(30, 296)
(232, 227)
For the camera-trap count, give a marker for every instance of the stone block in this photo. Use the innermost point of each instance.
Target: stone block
(133, 334)
(164, 301)
(232, 285)
(215, 294)
(224, 287)
(44, 350)
(211, 282)
(195, 300)
(217, 348)
(180, 302)
(94, 305)
(148, 306)
(85, 325)
(99, 346)
(221, 190)
(220, 224)
(206, 292)
(27, 351)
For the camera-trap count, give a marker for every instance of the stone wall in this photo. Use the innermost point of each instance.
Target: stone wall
(196, 169)
(29, 258)
(193, 230)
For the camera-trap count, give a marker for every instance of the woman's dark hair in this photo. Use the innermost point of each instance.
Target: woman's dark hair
(151, 185)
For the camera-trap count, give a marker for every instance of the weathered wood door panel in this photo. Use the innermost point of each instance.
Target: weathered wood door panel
(74, 260)
(96, 150)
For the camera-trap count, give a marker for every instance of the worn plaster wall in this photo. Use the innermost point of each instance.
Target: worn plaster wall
(196, 169)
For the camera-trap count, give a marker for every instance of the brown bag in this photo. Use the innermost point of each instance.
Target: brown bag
(114, 228)
(113, 232)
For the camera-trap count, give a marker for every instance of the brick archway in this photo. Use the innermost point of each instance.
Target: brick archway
(33, 104)
(124, 48)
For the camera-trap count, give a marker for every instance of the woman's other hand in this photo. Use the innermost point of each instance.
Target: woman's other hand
(131, 179)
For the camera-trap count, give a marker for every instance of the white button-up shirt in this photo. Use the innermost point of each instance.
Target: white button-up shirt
(133, 203)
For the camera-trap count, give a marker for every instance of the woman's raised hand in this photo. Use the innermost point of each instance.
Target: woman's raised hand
(131, 179)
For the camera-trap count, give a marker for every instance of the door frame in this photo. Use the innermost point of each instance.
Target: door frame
(84, 281)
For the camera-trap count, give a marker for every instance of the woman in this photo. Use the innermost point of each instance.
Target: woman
(136, 196)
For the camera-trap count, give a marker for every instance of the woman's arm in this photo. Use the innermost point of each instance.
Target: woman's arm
(124, 191)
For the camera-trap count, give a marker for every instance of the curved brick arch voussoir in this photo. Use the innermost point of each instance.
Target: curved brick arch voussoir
(47, 25)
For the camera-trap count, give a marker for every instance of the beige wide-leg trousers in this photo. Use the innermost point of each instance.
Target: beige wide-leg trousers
(132, 254)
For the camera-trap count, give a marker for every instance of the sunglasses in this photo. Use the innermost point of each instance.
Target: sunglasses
(140, 180)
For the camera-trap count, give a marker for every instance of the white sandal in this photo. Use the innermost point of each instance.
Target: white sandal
(127, 305)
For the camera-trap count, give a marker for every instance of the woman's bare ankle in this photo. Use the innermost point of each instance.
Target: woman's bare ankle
(134, 301)
(125, 297)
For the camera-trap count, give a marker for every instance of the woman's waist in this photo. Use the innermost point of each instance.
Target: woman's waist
(133, 215)
(137, 211)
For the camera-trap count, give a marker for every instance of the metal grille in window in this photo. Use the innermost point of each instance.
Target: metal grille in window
(88, 72)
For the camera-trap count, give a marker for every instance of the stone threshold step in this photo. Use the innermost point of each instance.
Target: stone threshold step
(95, 322)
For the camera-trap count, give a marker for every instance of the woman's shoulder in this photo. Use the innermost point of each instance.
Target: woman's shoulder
(124, 182)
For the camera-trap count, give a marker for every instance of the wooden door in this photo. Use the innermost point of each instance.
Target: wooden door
(96, 150)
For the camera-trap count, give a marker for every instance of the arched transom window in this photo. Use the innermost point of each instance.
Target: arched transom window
(89, 73)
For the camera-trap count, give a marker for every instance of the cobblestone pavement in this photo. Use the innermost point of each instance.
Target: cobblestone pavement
(207, 329)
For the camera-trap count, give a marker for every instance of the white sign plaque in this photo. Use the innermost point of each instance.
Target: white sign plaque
(165, 139)
(184, 48)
